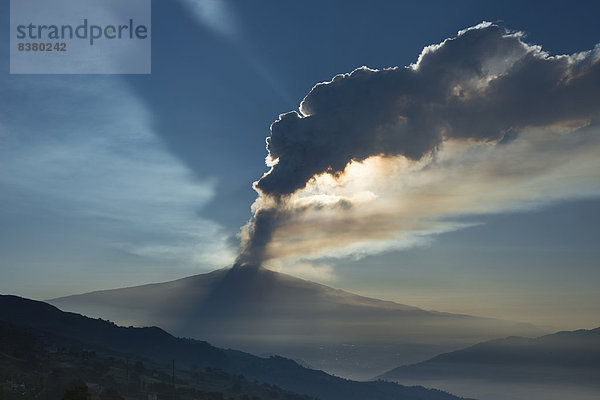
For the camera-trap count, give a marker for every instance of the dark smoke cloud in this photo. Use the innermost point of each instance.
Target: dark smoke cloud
(486, 84)
(480, 85)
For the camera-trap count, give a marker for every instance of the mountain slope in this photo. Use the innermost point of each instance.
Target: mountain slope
(262, 311)
(159, 346)
(569, 360)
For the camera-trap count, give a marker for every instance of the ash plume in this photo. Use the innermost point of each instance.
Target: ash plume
(258, 235)
(486, 85)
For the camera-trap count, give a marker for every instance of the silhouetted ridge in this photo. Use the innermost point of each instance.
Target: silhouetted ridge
(569, 356)
(150, 341)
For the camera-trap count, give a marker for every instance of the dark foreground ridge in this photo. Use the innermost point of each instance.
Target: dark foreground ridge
(37, 365)
(48, 325)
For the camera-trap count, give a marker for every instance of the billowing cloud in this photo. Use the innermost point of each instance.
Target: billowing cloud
(482, 122)
(398, 203)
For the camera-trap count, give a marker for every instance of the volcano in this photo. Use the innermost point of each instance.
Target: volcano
(265, 312)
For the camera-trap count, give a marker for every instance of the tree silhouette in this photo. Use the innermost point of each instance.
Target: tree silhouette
(77, 393)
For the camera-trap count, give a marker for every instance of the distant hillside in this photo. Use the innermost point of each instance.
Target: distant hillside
(569, 360)
(160, 347)
(262, 311)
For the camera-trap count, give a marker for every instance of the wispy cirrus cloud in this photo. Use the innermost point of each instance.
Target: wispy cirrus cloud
(220, 17)
(214, 14)
(94, 187)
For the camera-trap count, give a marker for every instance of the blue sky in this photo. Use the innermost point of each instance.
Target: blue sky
(108, 180)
